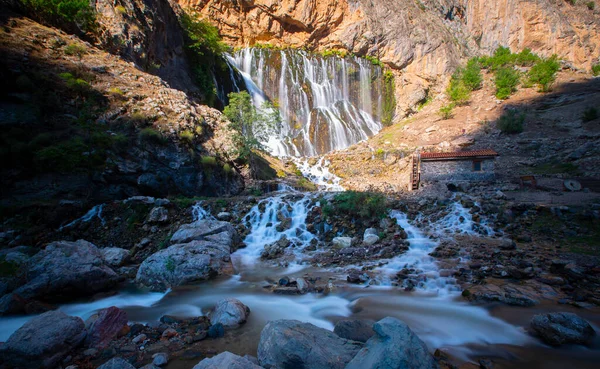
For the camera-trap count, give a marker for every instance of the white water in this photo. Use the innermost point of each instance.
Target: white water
(96, 211)
(319, 174)
(198, 212)
(325, 103)
(460, 220)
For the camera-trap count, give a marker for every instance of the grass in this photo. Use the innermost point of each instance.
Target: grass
(186, 136)
(586, 242)
(358, 204)
(306, 184)
(75, 49)
(149, 135)
(185, 202)
(446, 111)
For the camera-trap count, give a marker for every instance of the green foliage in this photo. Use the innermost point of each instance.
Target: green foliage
(506, 80)
(572, 2)
(526, 58)
(149, 135)
(204, 49)
(64, 156)
(209, 161)
(471, 76)
(361, 204)
(79, 85)
(71, 15)
(227, 168)
(463, 81)
(457, 91)
(170, 264)
(591, 5)
(248, 125)
(503, 57)
(589, 114)
(75, 49)
(306, 184)
(389, 99)
(511, 122)
(186, 136)
(185, 202)
(596, 69)
(446, 111)
(374, 60)
(121, 9)
(115, 91)
(543, 73)
(334, 53)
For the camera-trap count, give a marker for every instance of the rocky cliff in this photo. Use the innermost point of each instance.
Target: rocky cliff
(422, 40)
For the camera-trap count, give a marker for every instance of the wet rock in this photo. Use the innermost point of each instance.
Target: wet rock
(393, 346)
(105, 326)
(216, 331)
(560, 328)
(184, 264)
(140, 338)
(342, 242)
(116, 363)
(284, 281)
(43, 341)
(169, 332)
(303, 285)
(224, 216)
(293, 344)
(62, 271)
(275, 249)
(357, 277)
(354, 329)
(230, 313)
(506, 244)
(203, 229)
(115, 256)
(284, 224)
(160, 359)
(226, 360)
(370, 236)
(158, 214)
(292, 290)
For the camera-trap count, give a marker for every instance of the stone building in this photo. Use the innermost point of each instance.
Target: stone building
(454, 166)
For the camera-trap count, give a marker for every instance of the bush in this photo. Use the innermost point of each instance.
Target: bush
(64, 156)
(511, 122)
(71, 15)
(361, 204)
(186, 136)
(75, 49)
(457, 91)
(596, 69)
(543, 73)
(591, 5)
(506, 80)
(471, 76)
(150, 136)
(526, 58)
(115, 91)
(446, 111)
(589, 114)
(210, 161)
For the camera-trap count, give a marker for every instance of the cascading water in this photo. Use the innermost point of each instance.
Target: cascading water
(326, 103)
(319, 174)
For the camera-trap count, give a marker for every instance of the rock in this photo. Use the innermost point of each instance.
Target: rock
(115, 256)
(169, 332)
(158, 214)
(354, 329)
(140, 338)
(370, 239)
(276, 248)
(560, 328)
(393, 346)
(356, 276)
(160, 359)
(216, 331)
(230, 313)
(506, 244)
(184, 264)
(342, 242)
(116, 363)
(293, 344)
(62, 271)
(224, 216)
(202, 229)
(303, 285)
(43, 341)
(109, 323)
(226, 360)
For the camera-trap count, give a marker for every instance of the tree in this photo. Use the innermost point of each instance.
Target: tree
(250, 126)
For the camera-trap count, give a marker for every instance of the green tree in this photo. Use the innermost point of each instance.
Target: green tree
(250, 126)
(472, 75)
(543, 73)
(506, 80)
(71, 15)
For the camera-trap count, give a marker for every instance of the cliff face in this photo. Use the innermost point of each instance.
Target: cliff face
(423, 41)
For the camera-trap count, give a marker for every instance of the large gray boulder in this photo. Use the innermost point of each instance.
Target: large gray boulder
(116, 363)
(230, 313)
(226, 360)
(289, 344)
(559, 328)
(184, 264)
(354, 329)
(115, 256)
(207, 230)
(43, 341)
(394, 346)
(62, 271)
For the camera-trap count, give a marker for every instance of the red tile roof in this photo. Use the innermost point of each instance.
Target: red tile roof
(458, 154)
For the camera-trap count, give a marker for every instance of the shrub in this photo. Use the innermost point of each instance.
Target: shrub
(471, 76)
(227, 168)
(446, 111)
(64, 156)
(186, 136)
(121, 9)
(511, 122)
(591, 5)
(596, 69)
(589, 114)
(543, 73)
(506, 80)
(526, 58)
(457, 91)
(210, 161)
(501, 58)
(361, 204)
(77, 84)
(75, 49)
(115, 91)
(149, 135)
(71, 15)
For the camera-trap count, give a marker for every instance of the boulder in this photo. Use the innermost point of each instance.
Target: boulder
(224, 216)
(116, 363)
(230, 313)
(184, 264)
(43, 341)
(226, 360)
(105, 326)
(292, 344)
(394, 345)
(354, 329)
(158, 214)
(342, 242)
(276, 248)
(560, 328)
(62, 271)
(115, 256)
(160, 359)
(203, 228)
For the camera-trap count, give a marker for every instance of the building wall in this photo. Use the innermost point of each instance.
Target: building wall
(456, 170)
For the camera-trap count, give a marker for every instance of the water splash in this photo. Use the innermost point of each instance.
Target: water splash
(198, 212)
(459, 220)
(96, 211)
(319, 174)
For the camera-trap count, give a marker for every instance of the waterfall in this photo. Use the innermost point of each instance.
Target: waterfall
(326, 103)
